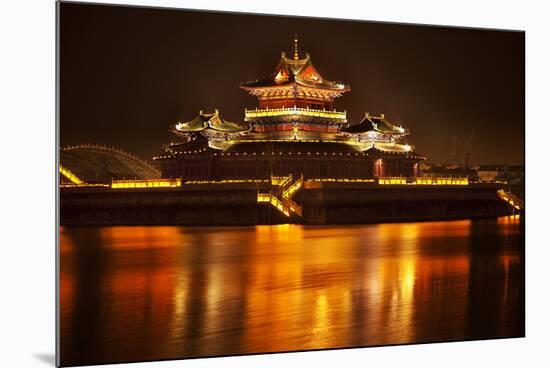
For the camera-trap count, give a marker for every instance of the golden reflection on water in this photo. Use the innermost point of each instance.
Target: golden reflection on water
(508, 220)
(167, 292)
(506, 223)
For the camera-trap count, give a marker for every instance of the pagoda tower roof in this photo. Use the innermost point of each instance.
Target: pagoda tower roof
(375, 123)
(296, 70)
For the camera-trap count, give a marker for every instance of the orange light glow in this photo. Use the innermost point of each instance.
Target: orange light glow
(146, 183)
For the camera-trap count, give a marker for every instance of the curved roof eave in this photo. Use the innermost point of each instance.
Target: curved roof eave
(294, 69)
(209, 121)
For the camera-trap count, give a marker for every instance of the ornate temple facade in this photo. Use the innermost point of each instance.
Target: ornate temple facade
(293, 130)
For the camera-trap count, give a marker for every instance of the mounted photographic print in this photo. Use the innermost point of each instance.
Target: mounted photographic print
(234, 184)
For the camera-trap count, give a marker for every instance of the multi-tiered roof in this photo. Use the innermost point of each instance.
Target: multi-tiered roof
(295, 82)
(295, 106)
(294, 130)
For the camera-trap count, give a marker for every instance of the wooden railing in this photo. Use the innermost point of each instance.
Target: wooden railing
(423, 180)
(259, 113)
(146, 183)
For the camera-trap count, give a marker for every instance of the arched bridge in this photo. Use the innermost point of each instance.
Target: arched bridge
(93, 163)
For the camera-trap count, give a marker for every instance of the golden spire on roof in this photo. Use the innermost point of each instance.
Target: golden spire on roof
(296, 56)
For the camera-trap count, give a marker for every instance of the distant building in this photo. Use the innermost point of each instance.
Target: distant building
(512, 175)
(487, 173)
(509, 173)
(441, 170)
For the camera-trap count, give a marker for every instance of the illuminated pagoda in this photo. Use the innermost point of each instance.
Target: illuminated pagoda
(294, 130)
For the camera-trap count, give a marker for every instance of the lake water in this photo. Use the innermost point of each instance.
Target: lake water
(153, 292)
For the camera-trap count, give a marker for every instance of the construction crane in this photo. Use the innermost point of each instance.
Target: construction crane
(455, 157)
(467, 151)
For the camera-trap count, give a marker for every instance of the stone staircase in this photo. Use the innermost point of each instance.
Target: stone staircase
(281, 198)
(512, 199)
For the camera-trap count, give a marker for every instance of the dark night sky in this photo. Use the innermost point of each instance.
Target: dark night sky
(128, 73)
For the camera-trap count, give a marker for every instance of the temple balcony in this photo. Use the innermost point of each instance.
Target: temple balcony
(251, 115)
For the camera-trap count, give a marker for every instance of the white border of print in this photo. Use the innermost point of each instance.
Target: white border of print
(27, 112)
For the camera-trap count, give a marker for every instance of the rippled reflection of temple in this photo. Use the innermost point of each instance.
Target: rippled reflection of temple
(294, 130)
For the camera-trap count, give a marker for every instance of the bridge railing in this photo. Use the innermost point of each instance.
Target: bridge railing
(105, 148)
